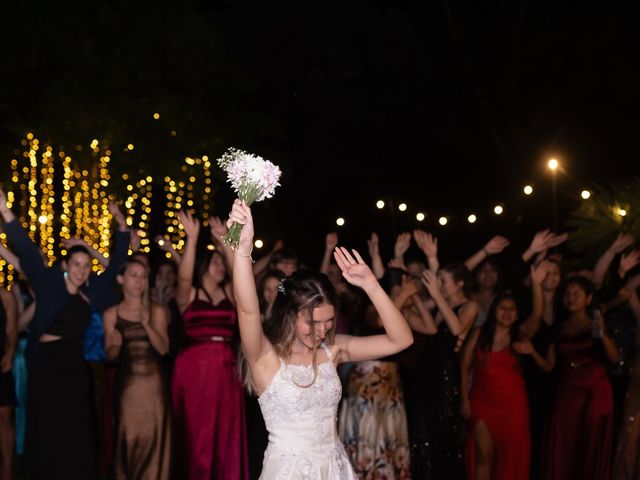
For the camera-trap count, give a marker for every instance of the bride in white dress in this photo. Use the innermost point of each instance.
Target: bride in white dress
(292, 358)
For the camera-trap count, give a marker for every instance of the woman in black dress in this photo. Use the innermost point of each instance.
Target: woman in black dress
(435, 425)
(60, 442)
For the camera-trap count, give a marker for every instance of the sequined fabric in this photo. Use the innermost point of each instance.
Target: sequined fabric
(435, 427)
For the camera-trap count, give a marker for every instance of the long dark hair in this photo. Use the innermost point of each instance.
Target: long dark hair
(488, 329)
(203, 259)
(302, 292)
(493, 263)
(460, 273)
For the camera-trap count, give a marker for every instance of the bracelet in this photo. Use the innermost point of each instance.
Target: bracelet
(248, 255)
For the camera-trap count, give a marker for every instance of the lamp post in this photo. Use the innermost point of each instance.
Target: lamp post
(553, 166)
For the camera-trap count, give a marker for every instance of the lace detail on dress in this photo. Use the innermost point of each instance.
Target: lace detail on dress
(303, 440)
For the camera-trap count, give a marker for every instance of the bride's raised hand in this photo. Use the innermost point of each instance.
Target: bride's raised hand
(241, 213)
(354, 269)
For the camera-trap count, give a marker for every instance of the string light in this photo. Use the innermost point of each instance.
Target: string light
(443, 221)
(380, 204)
(528, 190)
(472, 218)
(258, 243)
(340, 221)
(585, 194)
(420, 216)
(498, 209)
(402, 207)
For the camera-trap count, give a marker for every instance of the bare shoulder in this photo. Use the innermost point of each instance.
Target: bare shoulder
(470, 306)
(109, 315)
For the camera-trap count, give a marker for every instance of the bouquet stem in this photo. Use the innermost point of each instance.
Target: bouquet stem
(232, 237)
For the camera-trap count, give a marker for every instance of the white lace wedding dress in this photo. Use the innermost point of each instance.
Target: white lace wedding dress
(303, 438)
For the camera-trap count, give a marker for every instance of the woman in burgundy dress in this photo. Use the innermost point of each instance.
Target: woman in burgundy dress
(498, 440)
(207, 397)
(581, 429)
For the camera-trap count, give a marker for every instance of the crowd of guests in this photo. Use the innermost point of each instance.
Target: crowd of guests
(519, 372)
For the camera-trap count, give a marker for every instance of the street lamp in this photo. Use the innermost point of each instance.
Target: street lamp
(553, 166)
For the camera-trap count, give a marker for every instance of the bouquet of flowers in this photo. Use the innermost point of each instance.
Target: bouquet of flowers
(252, 177)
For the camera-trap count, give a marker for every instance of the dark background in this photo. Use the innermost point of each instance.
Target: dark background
(450, 106)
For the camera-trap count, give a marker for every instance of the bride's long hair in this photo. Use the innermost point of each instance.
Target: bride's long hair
(298, 294)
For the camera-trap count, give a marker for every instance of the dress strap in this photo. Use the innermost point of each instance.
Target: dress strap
(327, 351)
(206, 294)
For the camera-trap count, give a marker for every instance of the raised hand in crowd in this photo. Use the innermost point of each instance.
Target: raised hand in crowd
(493, 247)
(620, 244)
(218, 230)
(164, 244)
(74, 241)
(403, 241)
(118, 217)
(628, 261)
(429, 246)
(330, 243)
(541, 242)
(373, 245)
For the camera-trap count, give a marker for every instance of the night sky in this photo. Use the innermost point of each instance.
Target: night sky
(448, 106)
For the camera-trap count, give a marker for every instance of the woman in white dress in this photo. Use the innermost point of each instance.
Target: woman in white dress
(292, 358)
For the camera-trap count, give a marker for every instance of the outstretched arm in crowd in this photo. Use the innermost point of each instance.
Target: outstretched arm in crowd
(26, 251)
(261, 265)
(530, 326)
(429, 246)
(10, 257)
(184, 288)
(458, 325)
(400, 248)
(620, 244)
(330, 243)
(494, 246)
(165, 245)
(542, 241)
(218, 230)
(423, 322)
(374, 252)
(72, 242)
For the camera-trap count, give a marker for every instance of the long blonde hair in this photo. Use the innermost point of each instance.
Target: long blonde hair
(298, 294)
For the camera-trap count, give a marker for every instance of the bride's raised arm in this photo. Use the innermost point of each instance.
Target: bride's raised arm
(397, 334)
(254, 343)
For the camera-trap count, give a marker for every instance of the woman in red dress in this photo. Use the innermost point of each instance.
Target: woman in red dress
(498, 441)
(207, 396)
(581, 429)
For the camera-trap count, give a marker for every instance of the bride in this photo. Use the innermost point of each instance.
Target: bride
(292, 358)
